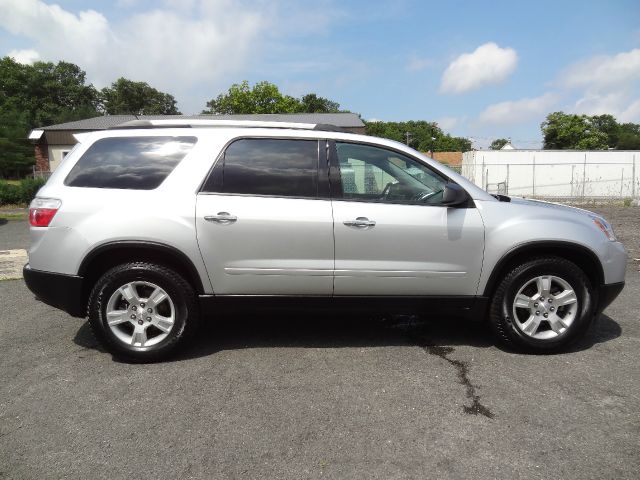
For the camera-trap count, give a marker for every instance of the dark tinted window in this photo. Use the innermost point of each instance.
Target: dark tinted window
(138, 163)
(285, 168)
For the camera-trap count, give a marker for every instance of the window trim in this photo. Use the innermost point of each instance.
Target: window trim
(336, 180)
(322, 169)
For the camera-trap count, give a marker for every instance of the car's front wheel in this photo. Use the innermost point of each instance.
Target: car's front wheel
(142, 311)
(542, 305)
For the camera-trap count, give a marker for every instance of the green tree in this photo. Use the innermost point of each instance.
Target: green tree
(598, 132)
(608, 125)
(37, 95)
(422, 136)
(312, 103)
(570, 131)
(498, 143)
(136, 98)
(593, 140)
(16, 152)
(265, 97)
(46, 93)
(628, 136)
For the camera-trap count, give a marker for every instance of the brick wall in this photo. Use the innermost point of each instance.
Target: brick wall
(42, 156)
(449, 158)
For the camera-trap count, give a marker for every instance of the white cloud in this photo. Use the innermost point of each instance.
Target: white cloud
(620, 104)
(54, 29)
(447, 123)
(631, 113)
(486, 65)
(26, 57)
(603, 71)
(518, 111)
(172, 49)
(606, 84)
(597, 104)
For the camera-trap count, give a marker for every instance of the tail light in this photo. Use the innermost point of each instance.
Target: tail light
(42, 211)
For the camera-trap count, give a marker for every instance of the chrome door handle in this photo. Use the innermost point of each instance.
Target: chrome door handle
(360, 222)
(221, 217)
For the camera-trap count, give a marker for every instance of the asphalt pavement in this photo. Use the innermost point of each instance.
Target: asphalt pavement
(14, 234)
(302, 397)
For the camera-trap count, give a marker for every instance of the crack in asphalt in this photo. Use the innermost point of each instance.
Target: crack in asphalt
(462, 369)
(476, 408)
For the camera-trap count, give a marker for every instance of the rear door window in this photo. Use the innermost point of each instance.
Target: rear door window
(136, 163)
(267, 166)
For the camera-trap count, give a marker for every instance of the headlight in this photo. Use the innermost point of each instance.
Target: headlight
(604, 226)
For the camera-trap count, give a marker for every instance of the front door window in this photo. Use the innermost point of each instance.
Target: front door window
(378, 175)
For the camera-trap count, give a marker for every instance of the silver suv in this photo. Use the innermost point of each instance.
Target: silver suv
(147, 227)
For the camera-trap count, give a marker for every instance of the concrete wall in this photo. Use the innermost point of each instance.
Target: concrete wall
(555, 173)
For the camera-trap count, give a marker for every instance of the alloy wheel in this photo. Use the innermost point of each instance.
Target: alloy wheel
(545, 307)
(140, 314)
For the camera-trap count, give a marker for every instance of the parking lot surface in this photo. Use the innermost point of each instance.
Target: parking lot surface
(14, 234)
(336, 397)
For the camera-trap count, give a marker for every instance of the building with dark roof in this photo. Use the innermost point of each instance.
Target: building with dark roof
(52, 143)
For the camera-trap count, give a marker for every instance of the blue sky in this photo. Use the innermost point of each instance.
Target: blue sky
(481, 69)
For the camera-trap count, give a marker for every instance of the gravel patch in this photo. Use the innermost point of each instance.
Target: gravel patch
(11, 263)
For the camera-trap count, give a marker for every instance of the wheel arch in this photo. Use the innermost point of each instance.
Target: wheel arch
(582, 256)
(108, 255)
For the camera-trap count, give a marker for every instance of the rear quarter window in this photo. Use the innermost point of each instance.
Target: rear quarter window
(135, 163)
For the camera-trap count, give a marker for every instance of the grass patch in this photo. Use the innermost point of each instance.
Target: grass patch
(15, 192)
(14, 216)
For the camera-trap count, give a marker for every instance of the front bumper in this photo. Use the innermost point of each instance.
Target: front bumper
(56, 289)
(607, 294)
(614, 262)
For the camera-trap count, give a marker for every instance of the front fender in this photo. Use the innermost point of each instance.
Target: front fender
(522, 228)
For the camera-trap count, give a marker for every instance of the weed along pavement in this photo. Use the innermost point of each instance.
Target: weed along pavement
(310, 397)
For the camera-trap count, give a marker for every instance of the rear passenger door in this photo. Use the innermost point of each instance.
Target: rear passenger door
(264, 219)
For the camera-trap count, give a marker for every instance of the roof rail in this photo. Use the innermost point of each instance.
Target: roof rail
(195, 123)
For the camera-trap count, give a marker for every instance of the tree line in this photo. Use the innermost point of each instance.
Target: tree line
(563, 131)
(265, 97)
(570, 131)
(48, 93)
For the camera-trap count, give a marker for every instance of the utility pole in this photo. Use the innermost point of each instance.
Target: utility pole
(408, 135)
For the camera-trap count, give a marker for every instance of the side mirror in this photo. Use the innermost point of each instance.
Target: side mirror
(453, 195)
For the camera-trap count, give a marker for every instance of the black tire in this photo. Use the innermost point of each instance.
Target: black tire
(180, 292)
(501, 314)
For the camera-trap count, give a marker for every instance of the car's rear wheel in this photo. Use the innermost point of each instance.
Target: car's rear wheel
(542, 305)
(142, 311)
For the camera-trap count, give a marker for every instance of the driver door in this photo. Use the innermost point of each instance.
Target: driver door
(392, 235)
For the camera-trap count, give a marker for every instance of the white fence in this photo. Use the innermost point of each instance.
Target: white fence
(555, 174)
